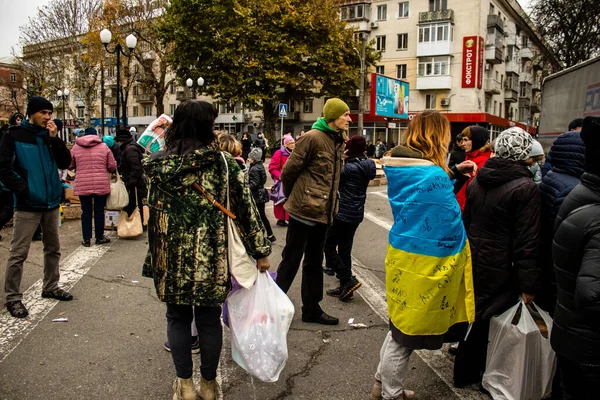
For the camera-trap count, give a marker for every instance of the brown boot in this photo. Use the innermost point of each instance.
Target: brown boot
(376, 393)
(208, 389)
(183, 389)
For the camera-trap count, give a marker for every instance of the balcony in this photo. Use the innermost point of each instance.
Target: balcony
(536, 86)
(510, 95)
(434, 82)
(293, 116)
(524, 102)
(492, 86)
(493, 54)
(436, 16)
(183, 95)
(494, 21)
(438, 48)
(111, 100)
(535, 106)
(145, 98)
(512, 67)
(526, 54)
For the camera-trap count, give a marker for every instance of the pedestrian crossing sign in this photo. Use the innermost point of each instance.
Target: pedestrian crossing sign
(283, 110)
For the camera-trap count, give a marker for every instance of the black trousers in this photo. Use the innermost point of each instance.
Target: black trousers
(210, 336)
(6, 207)
(578, 381)
(99, 202)
(338, 248)
(469, 362)
(264, 219)
(141, 194)
(308, 241)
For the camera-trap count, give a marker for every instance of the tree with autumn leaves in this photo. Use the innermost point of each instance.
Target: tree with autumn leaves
(263, 52)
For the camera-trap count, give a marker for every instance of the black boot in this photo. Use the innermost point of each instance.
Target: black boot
(348, 287)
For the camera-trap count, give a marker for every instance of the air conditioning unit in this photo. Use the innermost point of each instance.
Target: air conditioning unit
(445, 102)
(374, 25)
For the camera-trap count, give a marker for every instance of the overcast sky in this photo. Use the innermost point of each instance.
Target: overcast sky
(15, 13)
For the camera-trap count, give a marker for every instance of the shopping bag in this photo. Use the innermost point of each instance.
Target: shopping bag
(118, 197)
(259, 319)
(241, 265)
(520, 361)
(276, 194)
(130, 227)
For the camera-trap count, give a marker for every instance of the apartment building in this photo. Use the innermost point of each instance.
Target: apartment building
(11, 88)
(476, 61)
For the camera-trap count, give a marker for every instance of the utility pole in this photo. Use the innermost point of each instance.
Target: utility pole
(361, 94)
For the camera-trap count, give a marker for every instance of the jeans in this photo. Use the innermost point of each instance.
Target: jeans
(6, 207)
(86, 215)
(25, 224)
(264, 219)
(392, 368)
(338, 248)
(578, 381)
(210, 336)
(308, 241)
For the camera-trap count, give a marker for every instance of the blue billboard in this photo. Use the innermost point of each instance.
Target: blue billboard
(389, 97)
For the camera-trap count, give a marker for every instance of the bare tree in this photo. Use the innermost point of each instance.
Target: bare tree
(571, 28)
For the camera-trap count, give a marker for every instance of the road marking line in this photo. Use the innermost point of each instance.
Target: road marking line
(14, 330)
(372, 291)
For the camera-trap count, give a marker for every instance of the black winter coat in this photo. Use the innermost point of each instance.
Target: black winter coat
(257, 177)
(354, 180)
(502, 219)
(576, 252)
(130, 165)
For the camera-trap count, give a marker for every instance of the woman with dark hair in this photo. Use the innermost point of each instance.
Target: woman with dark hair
(246, 145)
(475, 141)
(187, 238)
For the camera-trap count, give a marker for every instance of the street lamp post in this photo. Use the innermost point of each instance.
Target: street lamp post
(131, 42)
(190, 84)
(361, 90)
(62, 94)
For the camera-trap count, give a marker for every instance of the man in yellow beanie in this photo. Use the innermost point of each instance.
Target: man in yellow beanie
(310, 179)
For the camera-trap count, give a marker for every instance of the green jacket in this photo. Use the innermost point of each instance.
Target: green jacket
(187, 235)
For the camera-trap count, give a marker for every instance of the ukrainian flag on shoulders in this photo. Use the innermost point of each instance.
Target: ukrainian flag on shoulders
(429, 281)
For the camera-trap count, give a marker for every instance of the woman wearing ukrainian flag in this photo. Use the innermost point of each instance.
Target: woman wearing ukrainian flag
(429, 281)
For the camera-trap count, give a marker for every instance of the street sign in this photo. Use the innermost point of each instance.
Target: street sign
(283, 110)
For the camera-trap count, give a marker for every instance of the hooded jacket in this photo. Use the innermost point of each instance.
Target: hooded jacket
(576, 252)
(357, 172)
(130, 166)
(311, 175)
(502, 219)
(257, 177)
(92, 161)
(29, 159)
(187, 234)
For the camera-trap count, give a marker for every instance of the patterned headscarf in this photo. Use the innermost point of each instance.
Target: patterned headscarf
(513, 144)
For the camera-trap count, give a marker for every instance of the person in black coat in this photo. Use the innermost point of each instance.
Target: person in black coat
(371, 150)
(575, 334)
(261, 143)
(132, 173)
(502, 219)
(246, 145)
(357, 172)
(457, 154)
(257, 177)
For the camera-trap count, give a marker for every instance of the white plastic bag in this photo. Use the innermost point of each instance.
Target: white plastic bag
(118, 197)
(259, 319)
(520, 362)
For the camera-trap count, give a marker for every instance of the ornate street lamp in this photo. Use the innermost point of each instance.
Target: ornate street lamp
(190, 84)
(62, 94)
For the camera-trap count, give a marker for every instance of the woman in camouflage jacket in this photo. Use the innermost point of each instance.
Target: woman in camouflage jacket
(187, 236)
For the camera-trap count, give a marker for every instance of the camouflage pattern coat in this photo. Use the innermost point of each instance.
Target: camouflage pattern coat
(187, 235)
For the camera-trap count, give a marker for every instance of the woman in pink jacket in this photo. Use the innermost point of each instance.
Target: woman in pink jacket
(92, 160)
(275, 166)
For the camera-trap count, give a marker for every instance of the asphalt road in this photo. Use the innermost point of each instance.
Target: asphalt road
(112, 345)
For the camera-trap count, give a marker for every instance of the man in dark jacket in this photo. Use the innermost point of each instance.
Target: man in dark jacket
(261, 143)
(502, 220)
(30, 155)
(310, 180)
(356, 174)
(576, 249)
(132, 173)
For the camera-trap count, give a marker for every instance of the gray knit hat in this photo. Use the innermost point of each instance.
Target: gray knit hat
(255, 154)
(513, 144)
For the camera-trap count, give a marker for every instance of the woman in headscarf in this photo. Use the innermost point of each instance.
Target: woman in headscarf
(278, 160)
(475, 142)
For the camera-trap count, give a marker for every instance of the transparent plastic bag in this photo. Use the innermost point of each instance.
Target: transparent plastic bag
(520, 361)
(259, 319)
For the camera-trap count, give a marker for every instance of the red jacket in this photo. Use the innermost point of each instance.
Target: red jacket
(92, 161)
(478, 158)
(277, 162)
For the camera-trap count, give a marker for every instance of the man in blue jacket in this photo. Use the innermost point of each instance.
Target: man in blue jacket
(30, 155)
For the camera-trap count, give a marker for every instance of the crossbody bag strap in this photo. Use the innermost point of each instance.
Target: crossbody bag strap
(203, 192)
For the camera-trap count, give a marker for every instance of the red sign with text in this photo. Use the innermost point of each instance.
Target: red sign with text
(472, 70)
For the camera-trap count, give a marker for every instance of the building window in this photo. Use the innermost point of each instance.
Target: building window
(110, 72)
(523, 114)
(525, 41)
(402, 41)
(136, 111)
(172, 88)
(401, 71)
(380, 69)
(523, 89)
(355, 11)
(488, 102)
(430, 103)
(434, 32)
(113, 112)
(136, 90)
(381, 43)
(147, 110)
(382, 13)
(13, 77)
(438, 5)
(403, 9)
(308, 106)
(500, 110)
(431, 66)
(80, 112)
(495, 106)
